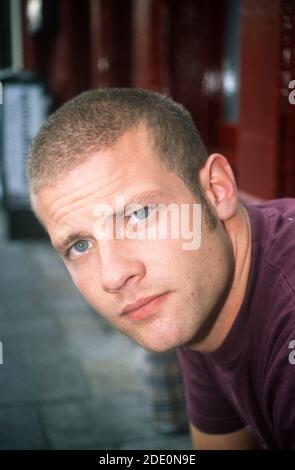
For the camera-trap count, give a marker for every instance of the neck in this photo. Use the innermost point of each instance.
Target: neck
(238, 229)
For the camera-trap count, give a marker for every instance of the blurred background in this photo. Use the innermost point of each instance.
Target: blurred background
(67, 379)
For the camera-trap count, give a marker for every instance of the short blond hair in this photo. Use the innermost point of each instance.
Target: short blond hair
(95, 119)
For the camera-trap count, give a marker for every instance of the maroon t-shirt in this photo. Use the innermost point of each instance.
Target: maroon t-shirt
(249, 381)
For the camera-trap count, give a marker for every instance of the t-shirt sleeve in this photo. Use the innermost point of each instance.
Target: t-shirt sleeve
(207, 407)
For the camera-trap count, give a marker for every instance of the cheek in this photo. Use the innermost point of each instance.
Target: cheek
(167, 259)
(82, 276)
(218, 266)
(90, 290)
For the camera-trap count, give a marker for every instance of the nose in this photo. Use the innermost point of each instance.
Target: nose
(118, 266)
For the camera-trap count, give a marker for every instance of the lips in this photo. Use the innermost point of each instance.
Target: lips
(143, 307)
(139, 303)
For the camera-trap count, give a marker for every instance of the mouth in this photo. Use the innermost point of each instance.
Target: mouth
(144, 308)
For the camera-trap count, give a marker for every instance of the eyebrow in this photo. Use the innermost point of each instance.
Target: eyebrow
(136, 198)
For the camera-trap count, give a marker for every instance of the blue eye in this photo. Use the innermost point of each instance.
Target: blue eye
(142, 214)
(78, 249)
(81, 246)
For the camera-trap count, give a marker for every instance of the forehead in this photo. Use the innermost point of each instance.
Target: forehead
(129, 165)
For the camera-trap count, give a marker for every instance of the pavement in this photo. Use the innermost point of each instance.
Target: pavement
(68, 379)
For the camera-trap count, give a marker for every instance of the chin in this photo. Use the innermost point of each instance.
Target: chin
(160, 345)
(158, 348)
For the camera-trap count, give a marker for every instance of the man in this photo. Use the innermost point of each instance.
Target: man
(226, 303)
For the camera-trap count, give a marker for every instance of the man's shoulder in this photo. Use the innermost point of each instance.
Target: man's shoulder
(273, 306)
(273, 222)
(273, 250)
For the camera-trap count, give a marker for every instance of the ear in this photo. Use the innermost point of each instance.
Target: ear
(219, 186)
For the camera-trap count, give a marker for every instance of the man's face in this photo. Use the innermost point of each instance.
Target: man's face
(111, 273)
